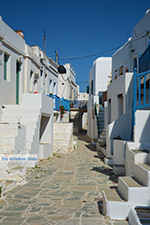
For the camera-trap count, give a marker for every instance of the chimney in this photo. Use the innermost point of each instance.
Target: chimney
(20, 32)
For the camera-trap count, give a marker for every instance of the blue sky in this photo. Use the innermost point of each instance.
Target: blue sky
(75, 27)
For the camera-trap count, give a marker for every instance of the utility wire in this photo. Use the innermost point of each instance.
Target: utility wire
(87, 56)
(100, 53)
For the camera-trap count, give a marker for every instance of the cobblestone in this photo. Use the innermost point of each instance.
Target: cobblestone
(62, 190)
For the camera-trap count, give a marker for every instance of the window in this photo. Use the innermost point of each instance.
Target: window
(91, 87)
(134, 63)
(6, 59)
(54, 88)
(109, 111)
(87, 90)
(126, 69)
(50, 87)
(31, 82)
(120, 104)
(121, 70)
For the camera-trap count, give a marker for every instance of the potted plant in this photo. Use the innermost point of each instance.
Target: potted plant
(62, 111)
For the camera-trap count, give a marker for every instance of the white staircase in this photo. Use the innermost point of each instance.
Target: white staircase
(62, 137)
(131, 191)
(102, 138)
(28, 117)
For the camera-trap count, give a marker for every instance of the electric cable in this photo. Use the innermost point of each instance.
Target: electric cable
(99, 53)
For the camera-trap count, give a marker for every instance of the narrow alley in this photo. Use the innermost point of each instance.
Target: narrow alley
(63, 190)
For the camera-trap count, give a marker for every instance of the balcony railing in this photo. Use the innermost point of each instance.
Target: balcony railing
(141, 97)
(82, 104)
(60, 102)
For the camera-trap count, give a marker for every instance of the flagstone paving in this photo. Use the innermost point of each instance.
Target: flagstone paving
(62, 190)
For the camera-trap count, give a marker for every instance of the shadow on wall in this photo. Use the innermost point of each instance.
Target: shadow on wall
(121, 127)
(142, 126)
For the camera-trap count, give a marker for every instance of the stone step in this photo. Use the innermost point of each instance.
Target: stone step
(8, 131)
(28, 145)
(12, 109)
(142, 174)
(16, 173)
(102, 139)
(6, 142)
(60, 142)
(62, 137)
(7, 150)
(30, 123)
(30, 131)
(61, 149)
(114, 206)
(19, 117)
(132, 191)
(103, 135)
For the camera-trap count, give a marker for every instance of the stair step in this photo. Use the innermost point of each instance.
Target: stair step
(130, 182)
(7, 142)
(142, 174)
(112, 195)
(7, 150)
(132, 191)
(20, 110)
(114, 206)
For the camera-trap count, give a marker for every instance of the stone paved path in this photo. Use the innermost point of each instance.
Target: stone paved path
(63, 190)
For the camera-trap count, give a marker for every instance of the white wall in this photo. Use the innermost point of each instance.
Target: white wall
(123, 85)
(99, 73)
(142, 126)
(121, 127)
(13, 45)
(49, 79)
(135, 45)
(102, 73)
(67, 86)
(30, 60)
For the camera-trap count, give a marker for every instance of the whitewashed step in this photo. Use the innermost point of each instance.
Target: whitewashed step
(113, 206)
(16, 173)
(61, 149)
(19, 110)
(8, 131)
(30, 131)
(19, 117)
(102, 136)
(7, 142)
(28, 145)
(60, 142)
(142, 174)
(132, 191)
(7, 150)
(63, 137)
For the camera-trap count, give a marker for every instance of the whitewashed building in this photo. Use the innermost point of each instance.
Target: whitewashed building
(26, 113)
(67, 87)
(128, 123)
(98, 81)
(48, 73)
(120, 91)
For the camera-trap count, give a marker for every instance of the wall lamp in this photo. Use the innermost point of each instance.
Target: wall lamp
(61, 69)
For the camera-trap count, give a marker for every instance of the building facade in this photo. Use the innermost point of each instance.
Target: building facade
(67, 86)
(98, 81)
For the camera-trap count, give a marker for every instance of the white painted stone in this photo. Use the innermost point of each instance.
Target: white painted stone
(99, 73)
(142, 174)
(132, 191)
(119, 147)
(133, 217)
